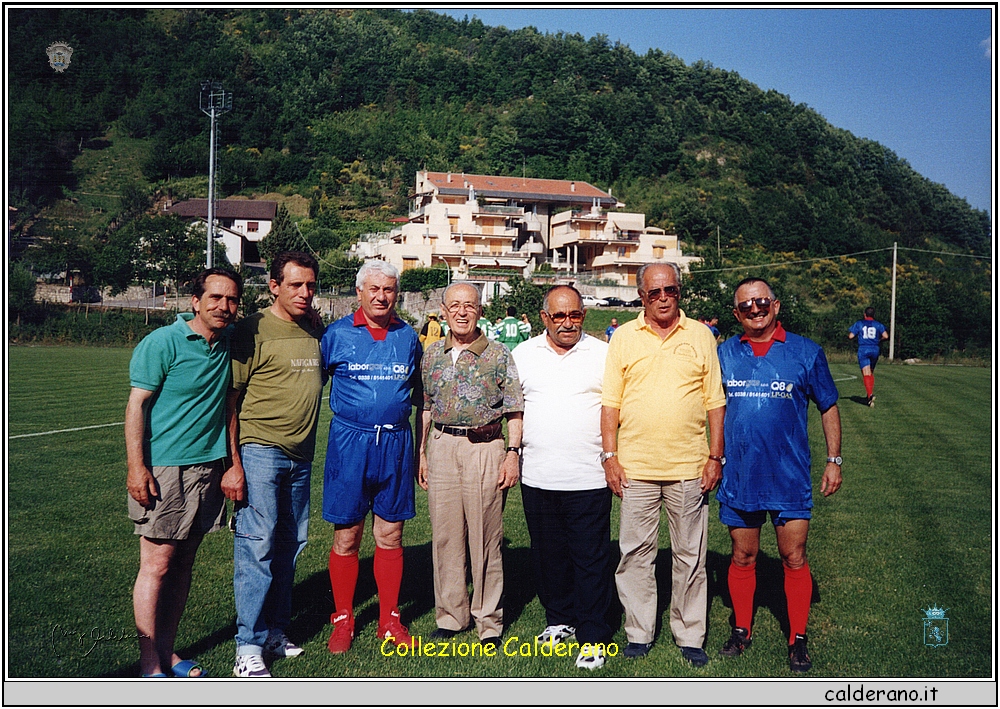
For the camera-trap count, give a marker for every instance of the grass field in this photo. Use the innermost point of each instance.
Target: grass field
(911, 528)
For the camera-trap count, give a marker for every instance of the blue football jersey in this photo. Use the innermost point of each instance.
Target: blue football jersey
(868, 332)
(373, 382)
(766, 426)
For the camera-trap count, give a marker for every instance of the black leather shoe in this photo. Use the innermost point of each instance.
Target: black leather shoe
(444, 634)
(695, 655)
(493, 642)
(637, 649)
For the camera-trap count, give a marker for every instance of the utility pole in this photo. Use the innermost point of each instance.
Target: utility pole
(892, 307)
(213, 102)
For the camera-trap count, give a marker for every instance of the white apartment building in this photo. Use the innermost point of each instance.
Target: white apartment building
(486, 228)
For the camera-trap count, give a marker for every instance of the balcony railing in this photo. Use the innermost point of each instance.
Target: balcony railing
(501, 209)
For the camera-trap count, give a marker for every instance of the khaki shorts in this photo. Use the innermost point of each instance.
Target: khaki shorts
(190, 502)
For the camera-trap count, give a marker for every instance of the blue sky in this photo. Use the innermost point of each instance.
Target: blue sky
(918, 81)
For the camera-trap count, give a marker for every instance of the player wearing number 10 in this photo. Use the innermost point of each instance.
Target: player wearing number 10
(510, 330)
(869, 332)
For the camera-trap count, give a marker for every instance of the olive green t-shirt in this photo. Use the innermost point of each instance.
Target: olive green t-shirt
(276, 363)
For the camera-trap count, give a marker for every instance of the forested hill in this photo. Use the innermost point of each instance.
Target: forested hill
(343, 106)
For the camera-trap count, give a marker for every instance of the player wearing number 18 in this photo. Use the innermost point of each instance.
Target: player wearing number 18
(870, 333)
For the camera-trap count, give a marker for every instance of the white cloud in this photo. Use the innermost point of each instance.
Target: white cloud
(987, 45)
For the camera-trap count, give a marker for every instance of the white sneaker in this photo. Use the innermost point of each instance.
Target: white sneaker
(279, 645)
(556, 634)
(591, 657)
(250, 666)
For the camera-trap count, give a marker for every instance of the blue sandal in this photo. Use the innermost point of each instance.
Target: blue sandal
(185, 667)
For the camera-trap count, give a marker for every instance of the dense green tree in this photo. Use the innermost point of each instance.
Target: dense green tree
(423, 279)
(284, 236)
(20, 289)
(524, 296)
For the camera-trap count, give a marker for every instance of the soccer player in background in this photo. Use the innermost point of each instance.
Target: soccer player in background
(870, 333)
(510, 331)
(770, 377)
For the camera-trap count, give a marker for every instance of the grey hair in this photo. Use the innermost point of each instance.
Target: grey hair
(553, 289)
(641, 273)
(465, 284)
(375, 266)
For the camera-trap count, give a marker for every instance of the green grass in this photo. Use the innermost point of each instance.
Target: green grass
(910, 528)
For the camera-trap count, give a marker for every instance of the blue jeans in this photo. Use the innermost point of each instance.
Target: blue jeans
(270, 533)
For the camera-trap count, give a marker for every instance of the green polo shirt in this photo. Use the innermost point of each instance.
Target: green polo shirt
(186, 416)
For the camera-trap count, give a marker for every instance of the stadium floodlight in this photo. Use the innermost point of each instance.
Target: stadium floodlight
(213, 102)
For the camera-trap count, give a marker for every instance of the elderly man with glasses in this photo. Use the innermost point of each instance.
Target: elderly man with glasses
(770, 377)
(567, 504)
(470, 385)
(661, 382)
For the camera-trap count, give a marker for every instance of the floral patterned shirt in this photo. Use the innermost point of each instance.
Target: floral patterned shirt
(476, 389)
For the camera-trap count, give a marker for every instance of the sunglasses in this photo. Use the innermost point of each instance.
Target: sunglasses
(664, 293)
(575, 316)
(747, 305)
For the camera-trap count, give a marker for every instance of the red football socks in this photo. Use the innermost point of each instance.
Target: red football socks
(742, 586)
(343, 579)
(798, 594)
(388, 568)
(869, 383)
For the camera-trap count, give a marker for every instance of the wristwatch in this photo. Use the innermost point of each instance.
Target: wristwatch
(513, 449)
(838, 460)
(607, 455)
(720, 458)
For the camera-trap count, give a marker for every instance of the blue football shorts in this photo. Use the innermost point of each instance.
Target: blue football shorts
(732, 517)
(368, 468)
(867, 357)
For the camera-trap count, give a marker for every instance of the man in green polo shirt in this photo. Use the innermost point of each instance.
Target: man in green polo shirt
(175, 439)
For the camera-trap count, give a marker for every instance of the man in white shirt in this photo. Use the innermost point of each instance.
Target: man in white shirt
(567, 503)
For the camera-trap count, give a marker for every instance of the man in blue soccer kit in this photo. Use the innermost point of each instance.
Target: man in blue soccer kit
(869, 333)
(770, 376)
(373, 359)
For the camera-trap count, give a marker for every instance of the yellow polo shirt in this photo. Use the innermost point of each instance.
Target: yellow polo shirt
(663, 390)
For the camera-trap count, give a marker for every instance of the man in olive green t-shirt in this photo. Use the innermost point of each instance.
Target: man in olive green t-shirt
(273, 412)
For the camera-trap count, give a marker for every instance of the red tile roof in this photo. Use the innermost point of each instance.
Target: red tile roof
(530, 188)
(227, 209)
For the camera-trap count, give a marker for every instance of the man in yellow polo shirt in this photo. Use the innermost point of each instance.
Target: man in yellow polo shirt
(662, 380)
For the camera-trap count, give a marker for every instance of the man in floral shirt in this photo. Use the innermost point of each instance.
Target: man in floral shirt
(470, 384)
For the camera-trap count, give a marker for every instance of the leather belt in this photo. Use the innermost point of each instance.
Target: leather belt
(454, 430)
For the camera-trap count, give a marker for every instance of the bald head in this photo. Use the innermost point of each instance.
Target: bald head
(562, 289)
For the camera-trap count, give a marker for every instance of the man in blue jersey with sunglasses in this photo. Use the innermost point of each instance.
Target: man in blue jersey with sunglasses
(770, 376)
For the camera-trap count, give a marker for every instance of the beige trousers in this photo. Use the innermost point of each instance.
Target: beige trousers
(687, 518)
(466, 505)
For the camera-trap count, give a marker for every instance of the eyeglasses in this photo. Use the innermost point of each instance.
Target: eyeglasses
(575, 316)
(664, 293)
(747, 305)
(458, 307)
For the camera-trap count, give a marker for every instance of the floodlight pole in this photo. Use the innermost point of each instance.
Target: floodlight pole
(214, 101)
(892, 307)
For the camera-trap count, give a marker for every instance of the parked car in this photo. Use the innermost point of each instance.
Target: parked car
(637, 303)
(615, 302)
(590, 301)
